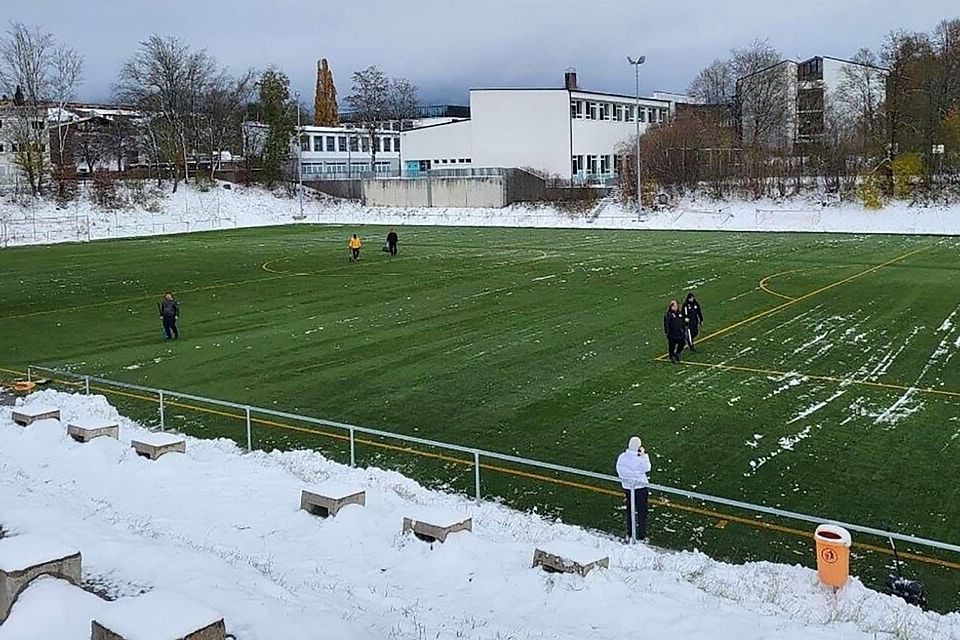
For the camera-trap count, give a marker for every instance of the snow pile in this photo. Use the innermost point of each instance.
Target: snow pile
(223, 528)
(192, 209)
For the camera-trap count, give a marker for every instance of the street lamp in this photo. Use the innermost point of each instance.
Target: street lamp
(299, 156)
(636, 118)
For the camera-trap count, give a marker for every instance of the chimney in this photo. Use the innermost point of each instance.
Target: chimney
(570, 79)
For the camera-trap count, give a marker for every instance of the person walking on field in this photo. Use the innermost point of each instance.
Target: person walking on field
(355, 245)
(392, 240)
(693, 316)
(675, 330)
(633, 465)
(169, 312)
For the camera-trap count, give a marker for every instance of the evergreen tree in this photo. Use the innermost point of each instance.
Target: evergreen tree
(326, 113)
(275, 105)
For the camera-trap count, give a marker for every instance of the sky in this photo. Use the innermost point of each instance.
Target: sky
(447, 47)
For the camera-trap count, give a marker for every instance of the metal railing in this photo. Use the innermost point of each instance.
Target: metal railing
(476, 454)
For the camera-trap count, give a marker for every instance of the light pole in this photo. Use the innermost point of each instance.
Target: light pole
(636, 118)
(299, 157)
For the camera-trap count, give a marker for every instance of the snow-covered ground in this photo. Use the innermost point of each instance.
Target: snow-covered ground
(223, 527)
(217, 208)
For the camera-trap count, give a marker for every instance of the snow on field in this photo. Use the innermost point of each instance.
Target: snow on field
(223, 528)
(191, 209)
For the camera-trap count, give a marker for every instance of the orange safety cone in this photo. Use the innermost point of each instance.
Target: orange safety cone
(833, 554)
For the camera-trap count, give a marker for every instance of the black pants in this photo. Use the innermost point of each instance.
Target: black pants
(355, 254)
(393, 248)
(692, 331)
(675, 346)
(170, 327)
(640, 499)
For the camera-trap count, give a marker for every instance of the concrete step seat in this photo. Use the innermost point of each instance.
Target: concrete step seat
(158, 615)
(560, 556)
(433, 524)
(155, 444)
(24, 558)
(28, 414)
(327, 498)
(86, 429)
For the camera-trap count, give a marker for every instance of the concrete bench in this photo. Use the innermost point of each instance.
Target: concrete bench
(433, 525)
(86, 429)
(154, 445)
(25, 416)
(23, 558)
(158, 615)
(327, 498)
(562, 557)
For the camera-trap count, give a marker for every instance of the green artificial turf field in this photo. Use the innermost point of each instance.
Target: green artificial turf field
(827, 380)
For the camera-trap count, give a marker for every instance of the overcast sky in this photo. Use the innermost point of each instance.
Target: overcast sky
(448, 46)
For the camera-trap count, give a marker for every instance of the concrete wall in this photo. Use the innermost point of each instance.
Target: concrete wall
(349, 189)
(436, 192)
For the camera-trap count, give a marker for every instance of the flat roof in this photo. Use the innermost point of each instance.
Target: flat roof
(584, 91)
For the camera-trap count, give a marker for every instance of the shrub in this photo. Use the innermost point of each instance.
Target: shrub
(907, 171)
(868, 190)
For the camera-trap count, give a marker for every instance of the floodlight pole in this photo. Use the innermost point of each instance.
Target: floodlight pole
(636, 118)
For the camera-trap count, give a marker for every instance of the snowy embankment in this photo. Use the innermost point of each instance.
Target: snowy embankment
(218, 208)
(223, 527)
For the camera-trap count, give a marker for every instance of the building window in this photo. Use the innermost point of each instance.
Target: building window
(386, 144)
(663, 115)
(617, 161)
(577, 165)
(342, 143)
(354, 143)
(364, 144)
(576, 109)
(396, 144)
(591, 165)
(317, 144)
(591, 111)
(605, 111)
(642, 114)
(810, 70)
(604, 165)
(1, 147)
(628, 113)
(618, 113)
(331, 143)
(305, 143)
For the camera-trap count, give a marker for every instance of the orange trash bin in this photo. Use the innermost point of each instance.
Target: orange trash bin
(833, 554)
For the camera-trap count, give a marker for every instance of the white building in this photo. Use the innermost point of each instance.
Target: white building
(809, 94)
(342, 152)
(566, 132)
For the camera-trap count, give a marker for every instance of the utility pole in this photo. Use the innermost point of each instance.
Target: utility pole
(636, 118)
(299, 157)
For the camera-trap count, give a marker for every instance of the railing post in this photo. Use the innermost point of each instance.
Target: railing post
(86, 384)
(163, 421)
(353, 448)
(632, 512)
(29, 374)
(476, 473)
(249, 432)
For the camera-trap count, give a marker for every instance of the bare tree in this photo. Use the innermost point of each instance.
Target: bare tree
(857, 104)
(715, 84)
(763, 94)
(67, 73)
(370, 101)
(223, 105)
(403, 100)
(41, 73)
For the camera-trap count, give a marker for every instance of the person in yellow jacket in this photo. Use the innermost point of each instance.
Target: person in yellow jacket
(355, 245)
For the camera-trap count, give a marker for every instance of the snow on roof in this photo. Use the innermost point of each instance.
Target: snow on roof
(579, 553)
(52, 609)
(91, 424)
(333, 489)
(158, 615)
(35, 409)
(435, 515)
(21, 552)
(157, 439)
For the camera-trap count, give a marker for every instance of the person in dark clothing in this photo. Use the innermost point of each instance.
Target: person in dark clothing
(392, 240)
(169, 312)
(693, 316)
(675, 331)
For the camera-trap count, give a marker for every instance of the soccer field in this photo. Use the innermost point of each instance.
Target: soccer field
(823, 381)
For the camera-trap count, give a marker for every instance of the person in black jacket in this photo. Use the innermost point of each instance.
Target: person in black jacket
(675, 331)
(392, 241)
(169, 312)
(693, 315)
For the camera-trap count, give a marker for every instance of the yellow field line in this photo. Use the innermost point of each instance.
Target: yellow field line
(806, 296)
(834, 379)
(710, 513)
(763, 284)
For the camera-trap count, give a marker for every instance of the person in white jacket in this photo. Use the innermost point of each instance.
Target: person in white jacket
(633, 465)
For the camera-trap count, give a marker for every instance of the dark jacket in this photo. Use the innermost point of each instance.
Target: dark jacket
(673, 326)
(169, 308)
(392, 238)
(693, 313)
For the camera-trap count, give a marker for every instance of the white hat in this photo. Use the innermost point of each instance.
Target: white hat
(634, 444)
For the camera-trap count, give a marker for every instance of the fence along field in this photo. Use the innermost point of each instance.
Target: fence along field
(545, 344)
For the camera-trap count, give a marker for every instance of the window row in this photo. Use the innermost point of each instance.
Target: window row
(615, 112)
(451, 161)
(595, 165)
(343, 168)
(346, 144)
(14, 147)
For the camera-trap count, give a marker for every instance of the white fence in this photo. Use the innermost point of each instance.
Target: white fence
(351, 431)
